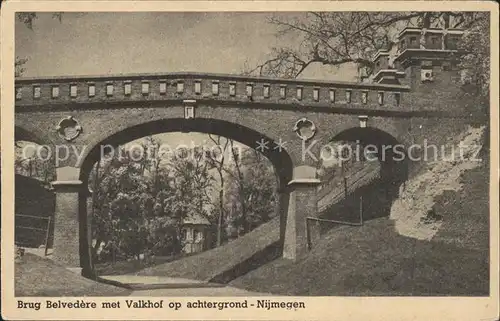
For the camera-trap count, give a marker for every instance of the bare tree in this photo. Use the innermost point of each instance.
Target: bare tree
(337, 38)
(241, 187)
(28, 18)
(218, 164)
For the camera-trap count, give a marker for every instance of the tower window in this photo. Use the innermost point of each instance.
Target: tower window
(381, 98)
(364, 97)
(397, 98)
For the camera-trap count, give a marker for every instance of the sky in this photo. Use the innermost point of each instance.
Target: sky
(143, 42)
(103, 43)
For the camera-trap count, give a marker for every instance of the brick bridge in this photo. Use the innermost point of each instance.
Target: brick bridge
(417, 96)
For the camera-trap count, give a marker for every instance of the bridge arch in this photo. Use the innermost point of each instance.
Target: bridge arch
(281, 161)
(390, 152)
(378, 165)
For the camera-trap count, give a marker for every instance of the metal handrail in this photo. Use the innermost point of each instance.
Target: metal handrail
(310, 218)
(46, 230)
(32, 216)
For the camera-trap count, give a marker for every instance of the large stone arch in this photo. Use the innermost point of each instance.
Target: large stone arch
(281, 161)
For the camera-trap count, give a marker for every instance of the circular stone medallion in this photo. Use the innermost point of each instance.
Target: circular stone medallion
(69, 128)
(305, 129)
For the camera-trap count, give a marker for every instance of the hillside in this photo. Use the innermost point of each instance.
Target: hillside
(374, 260)
(415, 212)
(37, 276)
(435, 242)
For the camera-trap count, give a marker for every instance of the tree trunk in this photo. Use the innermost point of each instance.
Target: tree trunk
(446, 18)
(94, 202)
(241, 190)
(219, 165)
(220, 221)
(426, 20)
(95, 248)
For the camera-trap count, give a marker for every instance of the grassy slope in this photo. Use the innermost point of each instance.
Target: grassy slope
(209, 264)
(36, 276)
(465, 213)
(375, 260)
(369, 260)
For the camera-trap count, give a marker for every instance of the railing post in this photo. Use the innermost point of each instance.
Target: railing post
(308, 234)
(361, 209)
(47, 237)
(345, 186)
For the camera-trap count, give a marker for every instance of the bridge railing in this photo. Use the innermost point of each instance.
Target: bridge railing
(34, 231)
(214, 87)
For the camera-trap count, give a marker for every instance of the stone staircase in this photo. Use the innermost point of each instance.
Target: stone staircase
(338, 188)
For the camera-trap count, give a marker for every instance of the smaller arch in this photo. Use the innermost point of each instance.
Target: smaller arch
(390, 151)
(367, 135)
(374, 187)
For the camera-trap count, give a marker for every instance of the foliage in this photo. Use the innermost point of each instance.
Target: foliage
(250, 196)
(38, 166)
(139, 204)
(476, 61)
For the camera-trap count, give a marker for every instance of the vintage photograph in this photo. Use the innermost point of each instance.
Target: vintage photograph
(220, 154)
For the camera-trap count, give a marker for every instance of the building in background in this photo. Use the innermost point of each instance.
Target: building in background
(196, 234)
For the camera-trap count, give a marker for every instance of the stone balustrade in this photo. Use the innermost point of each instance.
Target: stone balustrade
(50, 92)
